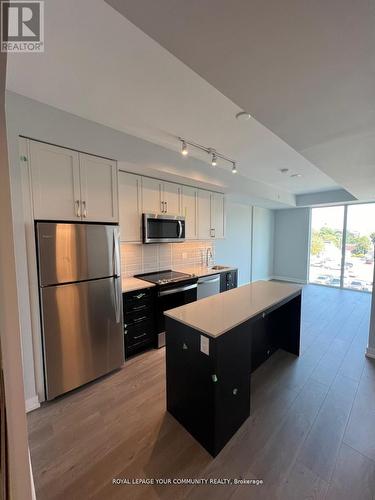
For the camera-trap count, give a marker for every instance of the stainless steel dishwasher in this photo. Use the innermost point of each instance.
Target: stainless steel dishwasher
(208, 285)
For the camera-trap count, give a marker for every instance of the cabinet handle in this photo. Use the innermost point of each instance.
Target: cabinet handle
(138, 320)
(140, 336)
(78, 208)
(166, 207)
(139, 308)
(84, 209)
(139, 296)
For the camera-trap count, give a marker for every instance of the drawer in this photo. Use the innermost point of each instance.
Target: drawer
(137, 334)
(134, 307)
(144, 314)
(137, 297)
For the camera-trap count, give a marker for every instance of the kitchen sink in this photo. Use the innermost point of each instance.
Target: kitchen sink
(219, 268)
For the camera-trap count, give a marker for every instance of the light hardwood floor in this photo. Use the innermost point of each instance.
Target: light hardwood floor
(311, 433)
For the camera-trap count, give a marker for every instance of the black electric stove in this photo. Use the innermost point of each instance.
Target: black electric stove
(164, 277)
(173, 289)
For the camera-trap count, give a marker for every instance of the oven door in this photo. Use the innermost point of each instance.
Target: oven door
(163, 228)
(172, 296)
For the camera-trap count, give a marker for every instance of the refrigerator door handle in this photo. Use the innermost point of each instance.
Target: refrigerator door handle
(117, 301)
(116, 253)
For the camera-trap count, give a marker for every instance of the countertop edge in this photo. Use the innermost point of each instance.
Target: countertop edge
(170, 315)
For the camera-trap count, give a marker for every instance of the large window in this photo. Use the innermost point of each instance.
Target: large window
(342, 246)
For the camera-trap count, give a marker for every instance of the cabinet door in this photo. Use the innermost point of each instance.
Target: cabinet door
(189, 210)
(204, 220)
(99, 194)
(217, 215)
(172, 198)
(130, 207)
(152, 196)
(55, 182)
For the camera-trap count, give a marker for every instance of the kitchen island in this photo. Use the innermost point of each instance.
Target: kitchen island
(214, 344)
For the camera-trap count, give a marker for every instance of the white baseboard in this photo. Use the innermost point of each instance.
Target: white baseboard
(370, 352)
(32, 403)
(291, 280)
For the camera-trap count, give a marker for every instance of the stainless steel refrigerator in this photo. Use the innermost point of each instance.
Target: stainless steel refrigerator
(81, 303)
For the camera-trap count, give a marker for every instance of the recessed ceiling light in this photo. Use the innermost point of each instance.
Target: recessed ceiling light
(243, 116)
(283, 170)
(296, 175)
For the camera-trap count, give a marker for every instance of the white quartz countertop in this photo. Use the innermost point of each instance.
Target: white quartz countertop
(130, 284)
(201, 271)
(220, 313)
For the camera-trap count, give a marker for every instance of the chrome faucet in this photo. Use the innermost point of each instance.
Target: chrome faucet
(209, 256)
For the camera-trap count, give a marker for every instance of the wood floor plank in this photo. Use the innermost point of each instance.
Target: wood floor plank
(321, 447)
(353, 478)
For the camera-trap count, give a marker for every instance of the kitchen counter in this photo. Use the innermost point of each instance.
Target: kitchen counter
(219, 313)
(213, 346)
(131, 284)
(201, 271)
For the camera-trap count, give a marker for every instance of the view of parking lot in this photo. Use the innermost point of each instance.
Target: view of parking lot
(342, 246)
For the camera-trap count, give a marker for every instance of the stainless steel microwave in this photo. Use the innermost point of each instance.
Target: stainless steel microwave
(159, 228)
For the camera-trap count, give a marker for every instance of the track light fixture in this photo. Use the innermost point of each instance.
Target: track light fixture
(211, 151)
(184, 148)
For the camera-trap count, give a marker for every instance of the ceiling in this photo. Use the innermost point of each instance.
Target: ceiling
(100, 66)
(304, 69)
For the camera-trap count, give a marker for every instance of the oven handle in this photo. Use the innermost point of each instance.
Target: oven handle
(176, 290)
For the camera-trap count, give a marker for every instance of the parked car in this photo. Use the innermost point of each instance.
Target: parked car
(335, 282)
(323, 279)
(356, 285)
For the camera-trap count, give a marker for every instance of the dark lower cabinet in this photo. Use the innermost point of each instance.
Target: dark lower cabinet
(228, 280)
(208, 394)
(208, 388)
(139, 321)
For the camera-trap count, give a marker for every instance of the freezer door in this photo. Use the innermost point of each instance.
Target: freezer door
(76, 252)
(82, 333)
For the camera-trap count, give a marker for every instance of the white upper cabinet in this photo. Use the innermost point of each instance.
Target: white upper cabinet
(130, 206)
(67, 185)
(152, 190)
(189, 211)
(217, 216)
(161, 197)
(98, 189)
(204, 214)
(55, 182)
(172, 198)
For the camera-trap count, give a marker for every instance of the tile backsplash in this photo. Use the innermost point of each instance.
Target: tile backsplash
(137, 258)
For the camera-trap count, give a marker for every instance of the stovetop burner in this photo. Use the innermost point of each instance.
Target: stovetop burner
(164, 277)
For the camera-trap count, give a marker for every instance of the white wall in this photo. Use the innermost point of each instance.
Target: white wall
(263, 243)
(249, 242)
(291, 249)
(235, 250)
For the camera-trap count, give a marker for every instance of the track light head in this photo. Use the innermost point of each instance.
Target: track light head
(214, 160)
(234, 168)
(184, 149)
